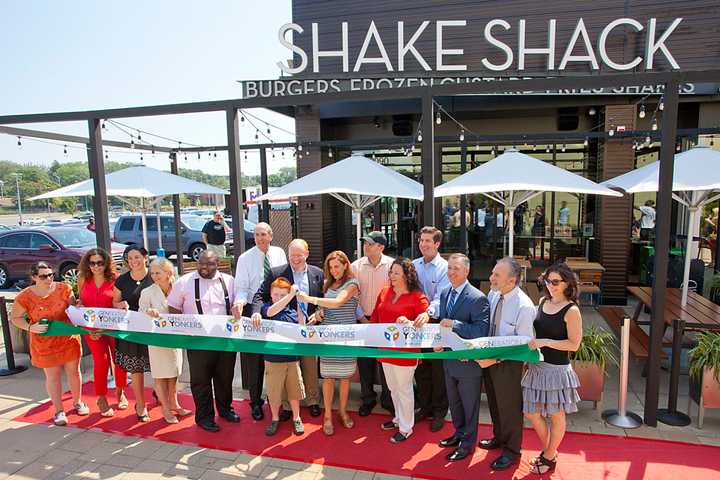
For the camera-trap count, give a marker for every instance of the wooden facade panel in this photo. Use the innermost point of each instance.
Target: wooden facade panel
(695, 43)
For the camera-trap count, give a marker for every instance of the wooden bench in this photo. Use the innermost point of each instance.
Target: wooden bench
(639, 340)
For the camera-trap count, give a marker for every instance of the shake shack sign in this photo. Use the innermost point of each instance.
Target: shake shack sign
(345, 55)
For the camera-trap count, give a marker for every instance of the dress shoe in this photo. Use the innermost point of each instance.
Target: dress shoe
(450, 442)
(315, 410)
(503, 462)
(231, 416)
(285, 415)
(365, 410)
(420, 416)
(257, 412)
(458, 454)
(208, 426)
(437, 424)
(488, 444)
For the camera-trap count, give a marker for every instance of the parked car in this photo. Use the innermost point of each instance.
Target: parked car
(61, 247)
(5, 228)
(128, 230)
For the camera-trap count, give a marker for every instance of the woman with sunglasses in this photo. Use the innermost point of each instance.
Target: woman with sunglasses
(550, 387)
(133, 357)
(46, 299)
(96, 281)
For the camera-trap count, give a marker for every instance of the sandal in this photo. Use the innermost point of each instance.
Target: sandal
(328, 427)
(542, 465)
(105, 410)
(170, 418)
(346, 421)
(122, 401)
(142, 417)
(181, 412)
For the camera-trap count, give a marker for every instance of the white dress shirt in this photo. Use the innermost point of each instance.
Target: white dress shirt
(249, 271)
(518, 313)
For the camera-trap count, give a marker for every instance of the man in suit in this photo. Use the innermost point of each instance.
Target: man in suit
(512, 313)
(466, 310)
(309, 279)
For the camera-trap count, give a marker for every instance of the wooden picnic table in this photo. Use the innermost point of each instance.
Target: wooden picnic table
(700, 314)
(582, 266)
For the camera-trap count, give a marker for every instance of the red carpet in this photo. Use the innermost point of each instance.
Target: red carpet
(366, 447)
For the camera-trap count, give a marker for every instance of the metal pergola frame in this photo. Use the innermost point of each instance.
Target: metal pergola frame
(424, 95)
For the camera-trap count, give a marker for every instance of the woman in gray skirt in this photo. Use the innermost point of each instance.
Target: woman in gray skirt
(550, 387)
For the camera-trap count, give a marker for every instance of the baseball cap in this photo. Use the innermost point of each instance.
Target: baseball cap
(375, 237)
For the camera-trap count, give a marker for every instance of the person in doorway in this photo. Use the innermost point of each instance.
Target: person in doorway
(96, 282)
(400, 302)
(309, 280)
(130, 356)
(47, 299)
(550, 387)
(165, 363)
(647, 220)
(512, 313)
(372, 272)
(208, 291)
(251, 269)
(430, 377)
(563, 214)
(465, 310)
(339, 303)
(214, 234)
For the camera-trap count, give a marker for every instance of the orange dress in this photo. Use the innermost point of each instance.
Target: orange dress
(48, 352)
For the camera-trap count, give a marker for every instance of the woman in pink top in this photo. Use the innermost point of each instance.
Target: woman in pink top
(96, 281)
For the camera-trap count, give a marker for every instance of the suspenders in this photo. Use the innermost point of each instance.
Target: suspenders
(198, 304)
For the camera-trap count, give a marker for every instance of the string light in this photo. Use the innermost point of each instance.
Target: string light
(641, 114)
(586, 142)
(611, 132)
(330, 153)
(242, 119)
(592, 111)
(547, 149)
(299, 147)
(139, 137)
(132, 142)
(19, 142)
(438, 119)
(268, 130)
(563, 147)
(462, 135)
(65, 150)
(419, 137)
(647, 139)
(103, 125)
(661, 105)
(654, 125)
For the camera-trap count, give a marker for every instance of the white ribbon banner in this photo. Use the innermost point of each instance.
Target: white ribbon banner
(383, 335)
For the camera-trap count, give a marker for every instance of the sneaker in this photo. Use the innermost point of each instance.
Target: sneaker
(272, 428)
(399, 437)
(60, 419)
(82, 409)
(298, 427)
(389, 425)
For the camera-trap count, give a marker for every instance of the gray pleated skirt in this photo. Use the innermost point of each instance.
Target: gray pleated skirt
(549, 389)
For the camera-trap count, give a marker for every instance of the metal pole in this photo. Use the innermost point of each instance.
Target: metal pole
(157, 218)
(179, 254)
(671, 415)
(463, 203)
(265, 212)
(11, 369)
(662, 242)
(17, 190)
(236, 200)
(428, 159)
(692, 221)
(97, 173)
(621, 417)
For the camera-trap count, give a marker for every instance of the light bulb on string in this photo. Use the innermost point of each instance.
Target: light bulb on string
(299, 147)
(534, 146)
(103, 125)
(268, 130)
(106, 156)
(592, 111)
(547, 149)
(477, 147)
(214, 154)
(661, 105)
(712, 141)
(141, 157)
(242, 118)
(139, 136)
(678, 147)
(152, 147)
(611, 132)
(438, 119)
(462, 135)
(132, 141)
(641, 114)
(563, 148)
(586, 142)
(330, 153)
(647, 139)
(198, 155)
(282, 153)
(19, 142)
(65, 150)
(257, 136)
(654, 125)
(419, 137)
(245, 155)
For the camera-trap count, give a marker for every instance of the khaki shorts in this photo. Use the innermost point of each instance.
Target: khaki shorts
(219, 249)
(283, 376)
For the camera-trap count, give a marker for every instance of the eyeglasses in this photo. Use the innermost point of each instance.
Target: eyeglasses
(46, 276)
(101, 263)
(554, 282)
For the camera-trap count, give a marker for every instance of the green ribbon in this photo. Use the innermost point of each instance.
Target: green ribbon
(521, 353)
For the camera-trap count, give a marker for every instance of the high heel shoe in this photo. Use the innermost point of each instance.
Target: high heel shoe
(170, 418)
(122, 401)
(346, 421)
(181, 412)
(142, 417)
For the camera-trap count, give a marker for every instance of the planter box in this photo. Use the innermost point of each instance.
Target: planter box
(706, 393)
(592, 381)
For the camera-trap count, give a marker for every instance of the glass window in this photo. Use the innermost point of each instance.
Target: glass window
(167, 224)
(18, 240)
(37, 239)
(127, 224)
(76, 237)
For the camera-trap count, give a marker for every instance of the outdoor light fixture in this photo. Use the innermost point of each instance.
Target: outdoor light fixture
(419, 137)
(586, 142)
(132, 142)
(65, 150)
(330, 154)
(139, 136)
(103, 125)
(654, 125)
(592, 111)
(19, 143)
(242, 118)
(611, 132)
(438, 120)
(462, 135)
(641, 114)
(563, 147)
(547, 149)
(661, 105)
(647, 139)
(299, 147)
(268, 130)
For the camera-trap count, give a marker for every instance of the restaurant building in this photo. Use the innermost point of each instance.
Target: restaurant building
(347, 45)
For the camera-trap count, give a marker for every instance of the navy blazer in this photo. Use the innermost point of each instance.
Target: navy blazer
(315, 282)
(471, 313)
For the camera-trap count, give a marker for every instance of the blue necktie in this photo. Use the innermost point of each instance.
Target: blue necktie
(451, 301)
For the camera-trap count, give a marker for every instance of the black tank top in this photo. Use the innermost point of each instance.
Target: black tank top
(552, 327)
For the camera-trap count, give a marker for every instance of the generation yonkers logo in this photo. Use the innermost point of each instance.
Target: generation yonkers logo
(160, 322)
(89, 316)
(105, 318)
(328, 333)
(412, 336)
(233, 325)
(392, 333)
(308, 332)
(177, 322)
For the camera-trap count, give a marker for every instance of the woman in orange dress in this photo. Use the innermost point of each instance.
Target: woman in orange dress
(47, 299)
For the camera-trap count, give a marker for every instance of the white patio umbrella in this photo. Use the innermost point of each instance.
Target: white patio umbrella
(357, 181)
(696, 182)
(514, 178)
(141, 182)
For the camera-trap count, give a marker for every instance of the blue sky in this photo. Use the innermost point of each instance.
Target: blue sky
(78, 55)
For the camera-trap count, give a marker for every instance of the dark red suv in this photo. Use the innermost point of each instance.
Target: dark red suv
(61, 247)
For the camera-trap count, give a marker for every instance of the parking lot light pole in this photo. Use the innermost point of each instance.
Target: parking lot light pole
(17, 190)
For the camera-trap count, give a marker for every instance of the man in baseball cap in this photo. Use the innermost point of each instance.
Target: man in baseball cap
(375, 237)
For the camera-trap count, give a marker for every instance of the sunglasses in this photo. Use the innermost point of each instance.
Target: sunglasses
(46, 276)
(101, 263)
(554, 282)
